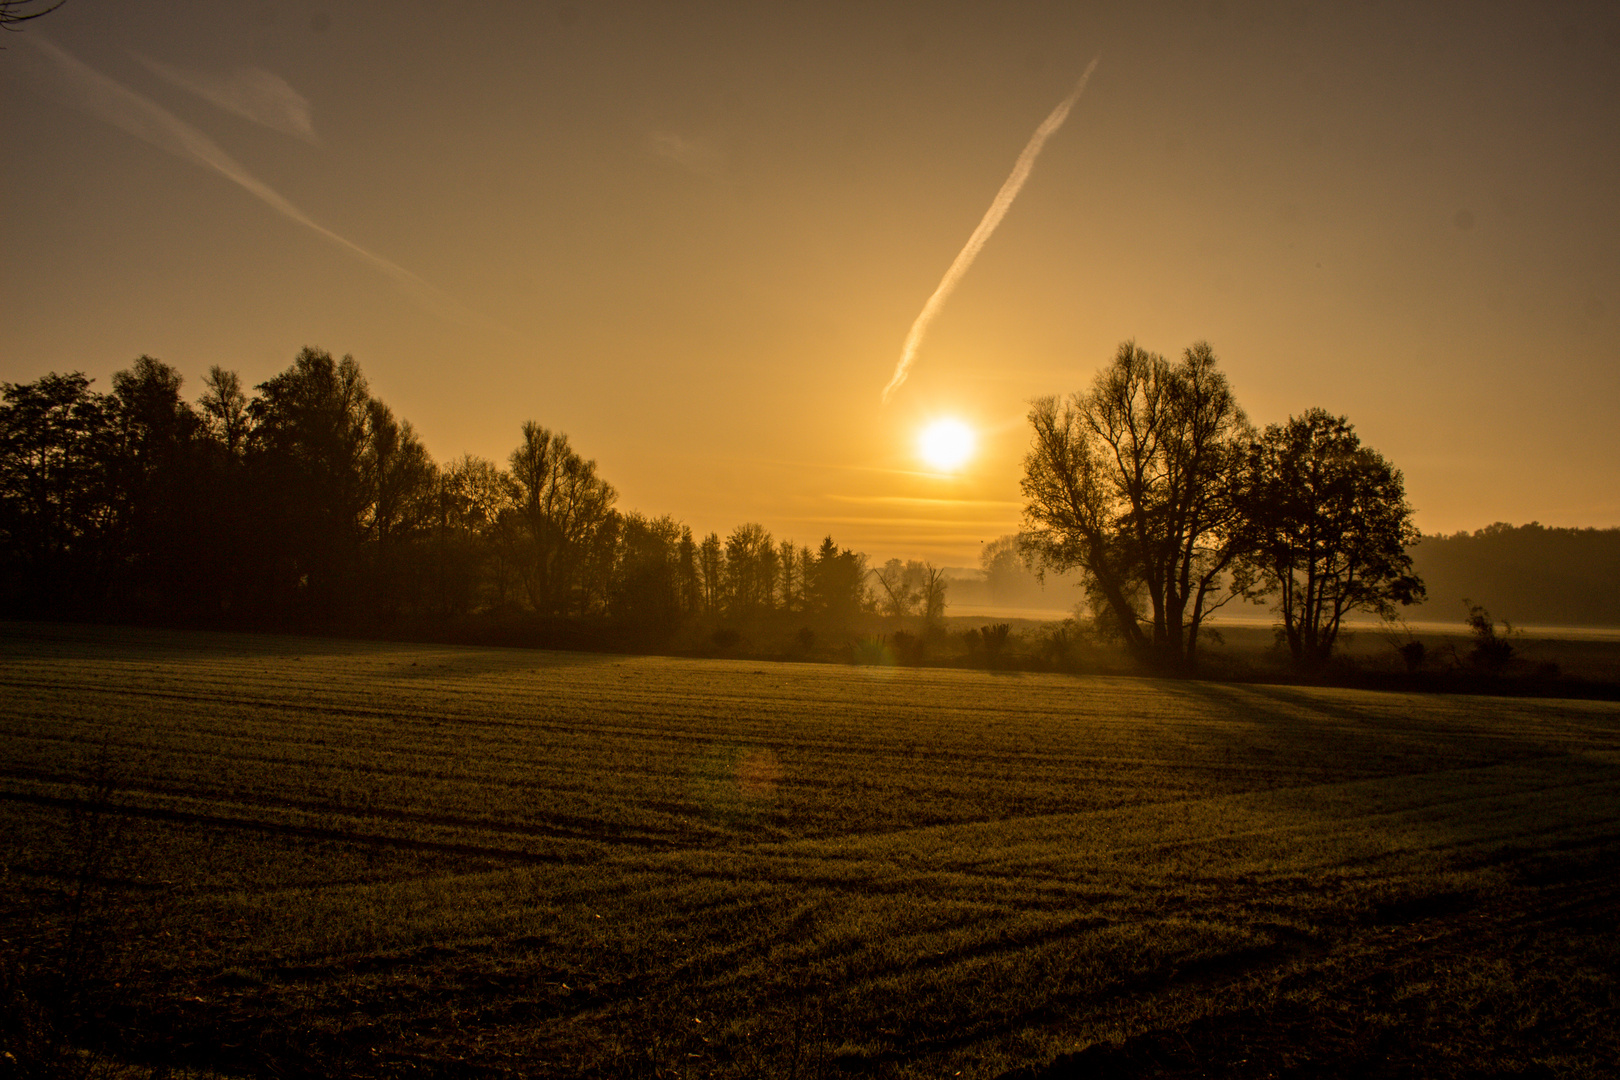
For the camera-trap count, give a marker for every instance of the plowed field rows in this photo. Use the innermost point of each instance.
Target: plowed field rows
(322, 858)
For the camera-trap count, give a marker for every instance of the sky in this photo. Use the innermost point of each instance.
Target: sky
(695, 236)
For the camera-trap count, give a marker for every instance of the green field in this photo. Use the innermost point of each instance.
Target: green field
(309, 857)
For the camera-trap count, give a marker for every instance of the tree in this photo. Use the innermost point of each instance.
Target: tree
(898, 598)
(1003, 563)
(912, 587)
(469, 568)
(399, 476)
(1329, 524)
(306, 455)
(54, 436)
(225, 410)
(787, 556)
(229, 534)
(154, 471)
(648, 588)
(401, 494)
(1132, 483)
(750, 570)
(13, 12)
(931, 593)
(835, 584)
(711, 566)
(562, 504)
(1492, 648)
(687, 573)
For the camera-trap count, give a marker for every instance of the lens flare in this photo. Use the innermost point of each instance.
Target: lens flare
(946, 444)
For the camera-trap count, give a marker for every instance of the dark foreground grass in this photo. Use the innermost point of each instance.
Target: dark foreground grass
(255, 856)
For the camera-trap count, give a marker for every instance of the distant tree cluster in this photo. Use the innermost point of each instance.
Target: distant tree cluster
(310, 505)
(912, 589)
(1530, 573)
(1157, 488)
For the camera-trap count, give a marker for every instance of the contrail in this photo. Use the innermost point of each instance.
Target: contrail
(992, 217)
(123, 108)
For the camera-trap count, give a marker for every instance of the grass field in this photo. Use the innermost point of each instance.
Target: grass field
(239, 855)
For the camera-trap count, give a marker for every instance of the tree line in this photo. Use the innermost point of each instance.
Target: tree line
(1528, 573)
(307, 504)
(1156, 487)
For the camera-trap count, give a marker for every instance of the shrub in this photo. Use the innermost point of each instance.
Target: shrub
(1492, 648)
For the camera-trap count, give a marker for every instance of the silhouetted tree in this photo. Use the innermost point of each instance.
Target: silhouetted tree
(912, 588)
(306, 455)
(562, 505)
(648, 589)
(471, 566)
(750, 570)
(1133, 483)
(54, 438)
(897, 596)
(153, 468)
(401, 492)
(225, 410)
(13, 12)
(711, 562)
(1329, 524)
(228, 530)
(1492, 648)
(399, 476)
(600, 565)
(689, 573)
(792, 571)
(931, 593)
(837, 592)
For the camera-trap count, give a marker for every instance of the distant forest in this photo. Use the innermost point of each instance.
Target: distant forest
(308, 505)
(1527, 574)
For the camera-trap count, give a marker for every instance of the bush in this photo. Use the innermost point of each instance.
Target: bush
(909, 649)
(993, 640)
(1492, 648)
(1413, 653)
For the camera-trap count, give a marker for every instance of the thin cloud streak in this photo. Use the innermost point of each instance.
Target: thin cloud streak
(906, 524)
(251, 93)
(992, 218)
(824, 466)
(913, 500)
(143, 118)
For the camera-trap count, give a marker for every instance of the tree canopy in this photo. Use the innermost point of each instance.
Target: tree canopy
(1156, 487)
(1132, 482)
(1329, 525)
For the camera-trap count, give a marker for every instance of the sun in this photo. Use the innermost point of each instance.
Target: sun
(946, 444)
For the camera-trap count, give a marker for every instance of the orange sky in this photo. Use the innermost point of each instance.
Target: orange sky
(694, 236)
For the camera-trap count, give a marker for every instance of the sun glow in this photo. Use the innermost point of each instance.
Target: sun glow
(946, 444)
